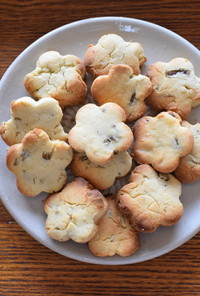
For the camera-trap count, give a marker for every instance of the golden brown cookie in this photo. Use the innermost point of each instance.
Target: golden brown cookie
(188, 170)
(115, 234)
(161, 141)
(151, 199)
(101, 176)
(120, 86)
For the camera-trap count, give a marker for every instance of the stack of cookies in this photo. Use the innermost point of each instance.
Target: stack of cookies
(112, 145)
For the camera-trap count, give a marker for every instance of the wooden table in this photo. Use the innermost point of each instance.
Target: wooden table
(29, 268)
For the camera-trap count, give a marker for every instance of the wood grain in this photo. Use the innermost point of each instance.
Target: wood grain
(27, 267)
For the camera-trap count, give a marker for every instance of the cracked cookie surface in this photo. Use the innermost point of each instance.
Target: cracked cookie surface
(100, 132)
(151, 199)
(120, 86)
(74, 212)
(115, 235)
(188, 170)
(175, 86)
(101, 176)
(27, 114)
(57, 76)
(161, 141)
(39, 163)
(111, 49)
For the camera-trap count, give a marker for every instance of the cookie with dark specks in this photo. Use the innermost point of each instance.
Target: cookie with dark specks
(100, 132)
(161, 141)
(175, 86)
(120, 86)
(39, 163)
(27, 114)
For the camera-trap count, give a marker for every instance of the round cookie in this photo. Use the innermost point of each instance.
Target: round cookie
(111, 49)
(27, 114)
(74, 213)
(175, 86)
(100, 132)
(59, 77)
(151, 199)
(188, 170)
(39, 163)
(161, 141)
(101, 176)
(120, 86)
(115, 234)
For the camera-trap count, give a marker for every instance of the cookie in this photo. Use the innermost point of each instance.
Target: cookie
(188, 170)
(101, 176)
(110, 50)
(59, 77)
(115, 234)
(175, 86)
(74, 213)
(39, 163)
(151, 199)
(161, 141)
(100, 132)
(27, 114)
(120, 86)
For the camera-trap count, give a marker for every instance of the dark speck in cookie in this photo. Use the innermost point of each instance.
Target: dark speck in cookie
(175, 72)
(133, 98)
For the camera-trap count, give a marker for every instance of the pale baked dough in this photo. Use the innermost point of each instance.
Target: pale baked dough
(100, 132)
(74, 213)
(58, 76)
(27, 114)
(112, 49)
(175, 86)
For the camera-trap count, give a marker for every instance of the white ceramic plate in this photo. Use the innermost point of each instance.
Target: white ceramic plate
(159, 44)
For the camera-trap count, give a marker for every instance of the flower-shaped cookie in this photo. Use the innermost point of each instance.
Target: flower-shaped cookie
(110, 50)
(101, 176)
(161, 141)
(188, 170)
(28, 114)
(59, 77)
(74, 212)
(175, 86)
(100, 132)
(151, 199)
(39, 163)
(115, 235)
(120, 86)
